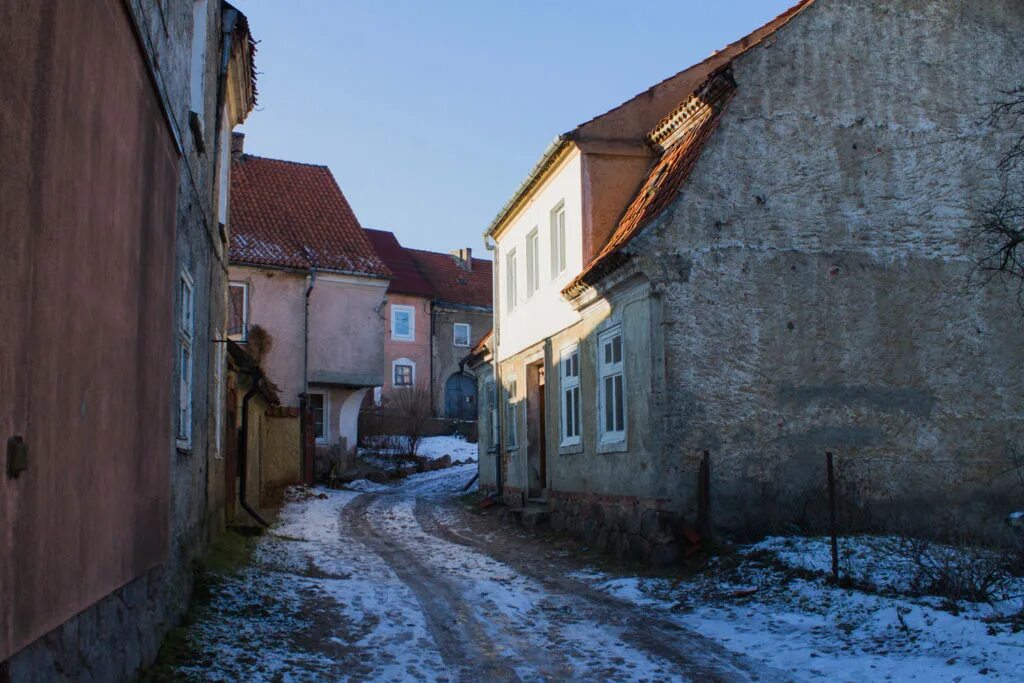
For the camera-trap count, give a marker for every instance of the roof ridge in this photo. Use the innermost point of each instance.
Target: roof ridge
(246, 155)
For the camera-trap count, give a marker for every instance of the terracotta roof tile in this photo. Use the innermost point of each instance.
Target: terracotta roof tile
(293, 215)
(680, 137)
(405, 276)
(451, 282)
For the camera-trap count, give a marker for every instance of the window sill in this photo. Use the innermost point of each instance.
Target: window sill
(511, 449)
(492, 450)
(404, 339)
(618, 446)
(183, 448)
(570, 448)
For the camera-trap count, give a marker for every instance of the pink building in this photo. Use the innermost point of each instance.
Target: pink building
(438, 307)
(307, 291)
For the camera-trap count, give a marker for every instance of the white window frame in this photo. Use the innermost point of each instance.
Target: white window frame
(532, 262)
(558, 263)
(404, 362)
(609, 368)
(411, 310)
(378, 396)
(455, 334)
(510, 280)
(186, 357)
(244, 336)
(512, 413)
(326, 436)
(569, 385)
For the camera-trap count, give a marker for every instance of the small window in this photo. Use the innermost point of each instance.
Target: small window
(513, 413)
(238, 311)
(570, 379)
(558, 240)
(403, 323)
(532, 263)
(403, 373)
(510, 281)
(462, 334)
(612, 393)
(318, 406)
(186, 337)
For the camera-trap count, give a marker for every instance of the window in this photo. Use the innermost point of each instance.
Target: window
(510, 281)
(198, 55)
(570, 386)
(403, 323)
(238, 311)
(491, 396)
(378, 396)
(318, 406)
(558, 240)
(403, 373)
(462, 334)
(513, 413)
(612, 408)
(186, 333)
(532, 263)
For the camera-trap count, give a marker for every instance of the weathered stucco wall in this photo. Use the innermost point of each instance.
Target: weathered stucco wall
(116, 571)
(814, 274)
(417, 350)
(447, 356)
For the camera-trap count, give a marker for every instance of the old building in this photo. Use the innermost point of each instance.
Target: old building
(113, 203)
(438, 307)
(761, 257)
(307, 292)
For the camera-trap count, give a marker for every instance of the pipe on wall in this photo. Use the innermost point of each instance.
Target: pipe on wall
(492, 246)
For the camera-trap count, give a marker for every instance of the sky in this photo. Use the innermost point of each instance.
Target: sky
(430, 114)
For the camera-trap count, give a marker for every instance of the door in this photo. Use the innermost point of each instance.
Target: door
(460, 397)
(536, 434)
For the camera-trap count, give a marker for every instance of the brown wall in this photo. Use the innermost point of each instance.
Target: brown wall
(87, 205)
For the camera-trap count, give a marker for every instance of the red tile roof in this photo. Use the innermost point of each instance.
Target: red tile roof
(680, 137)
(451, 282)
(405, 276)
(293, 215)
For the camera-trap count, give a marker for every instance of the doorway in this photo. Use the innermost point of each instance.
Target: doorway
(536, 434)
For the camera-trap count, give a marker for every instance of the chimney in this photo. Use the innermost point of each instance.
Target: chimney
(237, 143)
(465, 257)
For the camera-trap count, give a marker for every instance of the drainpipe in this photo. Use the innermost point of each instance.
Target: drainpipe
(305, 333)
(243, 446)
(433, 402)
(496, 332)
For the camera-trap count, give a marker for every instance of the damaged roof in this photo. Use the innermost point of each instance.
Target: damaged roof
(291, 215)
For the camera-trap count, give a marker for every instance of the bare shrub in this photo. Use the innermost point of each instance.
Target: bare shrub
(400, 423)
(260, 342)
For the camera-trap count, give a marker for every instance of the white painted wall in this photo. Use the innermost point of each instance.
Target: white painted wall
(545, 312)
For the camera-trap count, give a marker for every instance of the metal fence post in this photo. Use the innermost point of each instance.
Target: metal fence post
(832, 515)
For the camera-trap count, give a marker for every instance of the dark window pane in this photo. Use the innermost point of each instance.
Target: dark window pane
(617, 349)
(619, 418)
(236, 310)
(576, 412)
(609, 425)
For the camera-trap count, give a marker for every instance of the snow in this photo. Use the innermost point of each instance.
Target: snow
(814, 630)
(434, 447)
(321, 601)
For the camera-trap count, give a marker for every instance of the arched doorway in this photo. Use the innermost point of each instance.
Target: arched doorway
(460, 397)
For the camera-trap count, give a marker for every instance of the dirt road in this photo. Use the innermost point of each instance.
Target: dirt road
(401, 584)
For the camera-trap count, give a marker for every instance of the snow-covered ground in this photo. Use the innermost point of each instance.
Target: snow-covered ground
(435, 447)
(805, 626)
(390, 583)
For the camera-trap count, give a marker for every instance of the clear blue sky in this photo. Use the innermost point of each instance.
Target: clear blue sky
(430, 114)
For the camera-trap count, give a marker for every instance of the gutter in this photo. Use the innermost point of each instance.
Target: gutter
(492, 246)
(547, 158)
(305, 333)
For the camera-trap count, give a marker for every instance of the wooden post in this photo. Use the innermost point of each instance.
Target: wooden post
(704, 496)
(832, 515)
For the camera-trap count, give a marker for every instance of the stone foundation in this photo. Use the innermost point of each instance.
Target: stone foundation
(113, 640)
(624, 526)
